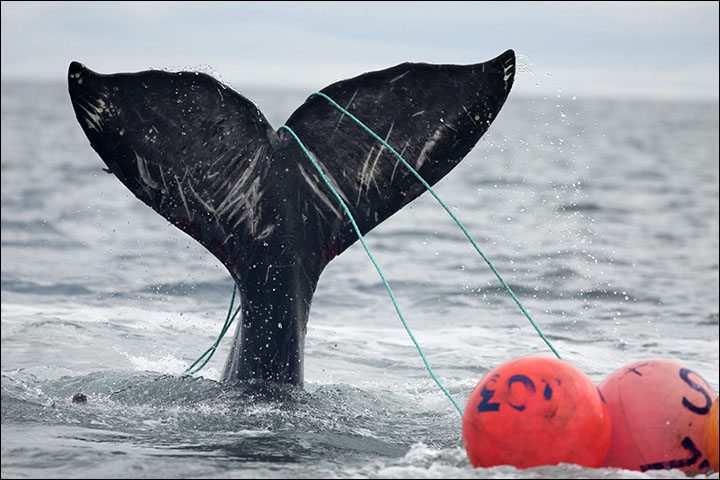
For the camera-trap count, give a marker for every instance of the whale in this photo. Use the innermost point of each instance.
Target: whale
(205, 158)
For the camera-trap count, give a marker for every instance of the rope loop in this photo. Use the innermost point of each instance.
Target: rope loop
(228, 321)
(191, 370)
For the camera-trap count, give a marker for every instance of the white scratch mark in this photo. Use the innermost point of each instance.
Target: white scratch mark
(371, 173)
(427, 148)
(266, 232)
(392, 176)
(509, 68)
(346, 107)
(162, 177)
(224, 242)
(144, 173)
(469, 115)
(90, 124)
(362, 174)
(319, 212)
(249, 200)
(237, 196)
(399, 76)
(317, 191)
(191, 217)
(331, 179)
(207, 206)
(92, 117)
(418, 113)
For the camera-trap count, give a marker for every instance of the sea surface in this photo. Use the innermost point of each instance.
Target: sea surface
(601, 214)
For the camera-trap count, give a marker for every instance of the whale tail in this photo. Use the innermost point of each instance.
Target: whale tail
(205, 158)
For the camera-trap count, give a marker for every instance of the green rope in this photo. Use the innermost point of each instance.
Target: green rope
(457, 221)
(228, 320)
(367, 250)
(211, 351)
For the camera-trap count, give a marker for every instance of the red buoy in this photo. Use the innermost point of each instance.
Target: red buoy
(536, 411)
(658, 410)
(711, 437)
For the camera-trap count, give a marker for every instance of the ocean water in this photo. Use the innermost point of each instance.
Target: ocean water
(602, 215)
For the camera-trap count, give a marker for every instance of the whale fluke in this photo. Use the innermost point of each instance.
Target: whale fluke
(205, 158)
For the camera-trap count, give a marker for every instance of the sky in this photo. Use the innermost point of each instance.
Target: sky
(584, 49)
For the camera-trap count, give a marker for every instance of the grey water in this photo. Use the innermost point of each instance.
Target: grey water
(601, 214)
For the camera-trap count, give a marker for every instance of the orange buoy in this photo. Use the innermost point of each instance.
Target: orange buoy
(536, 411)
(711, 437)
(658, 410)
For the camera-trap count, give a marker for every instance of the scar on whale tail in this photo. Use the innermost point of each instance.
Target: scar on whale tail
(206, 159)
